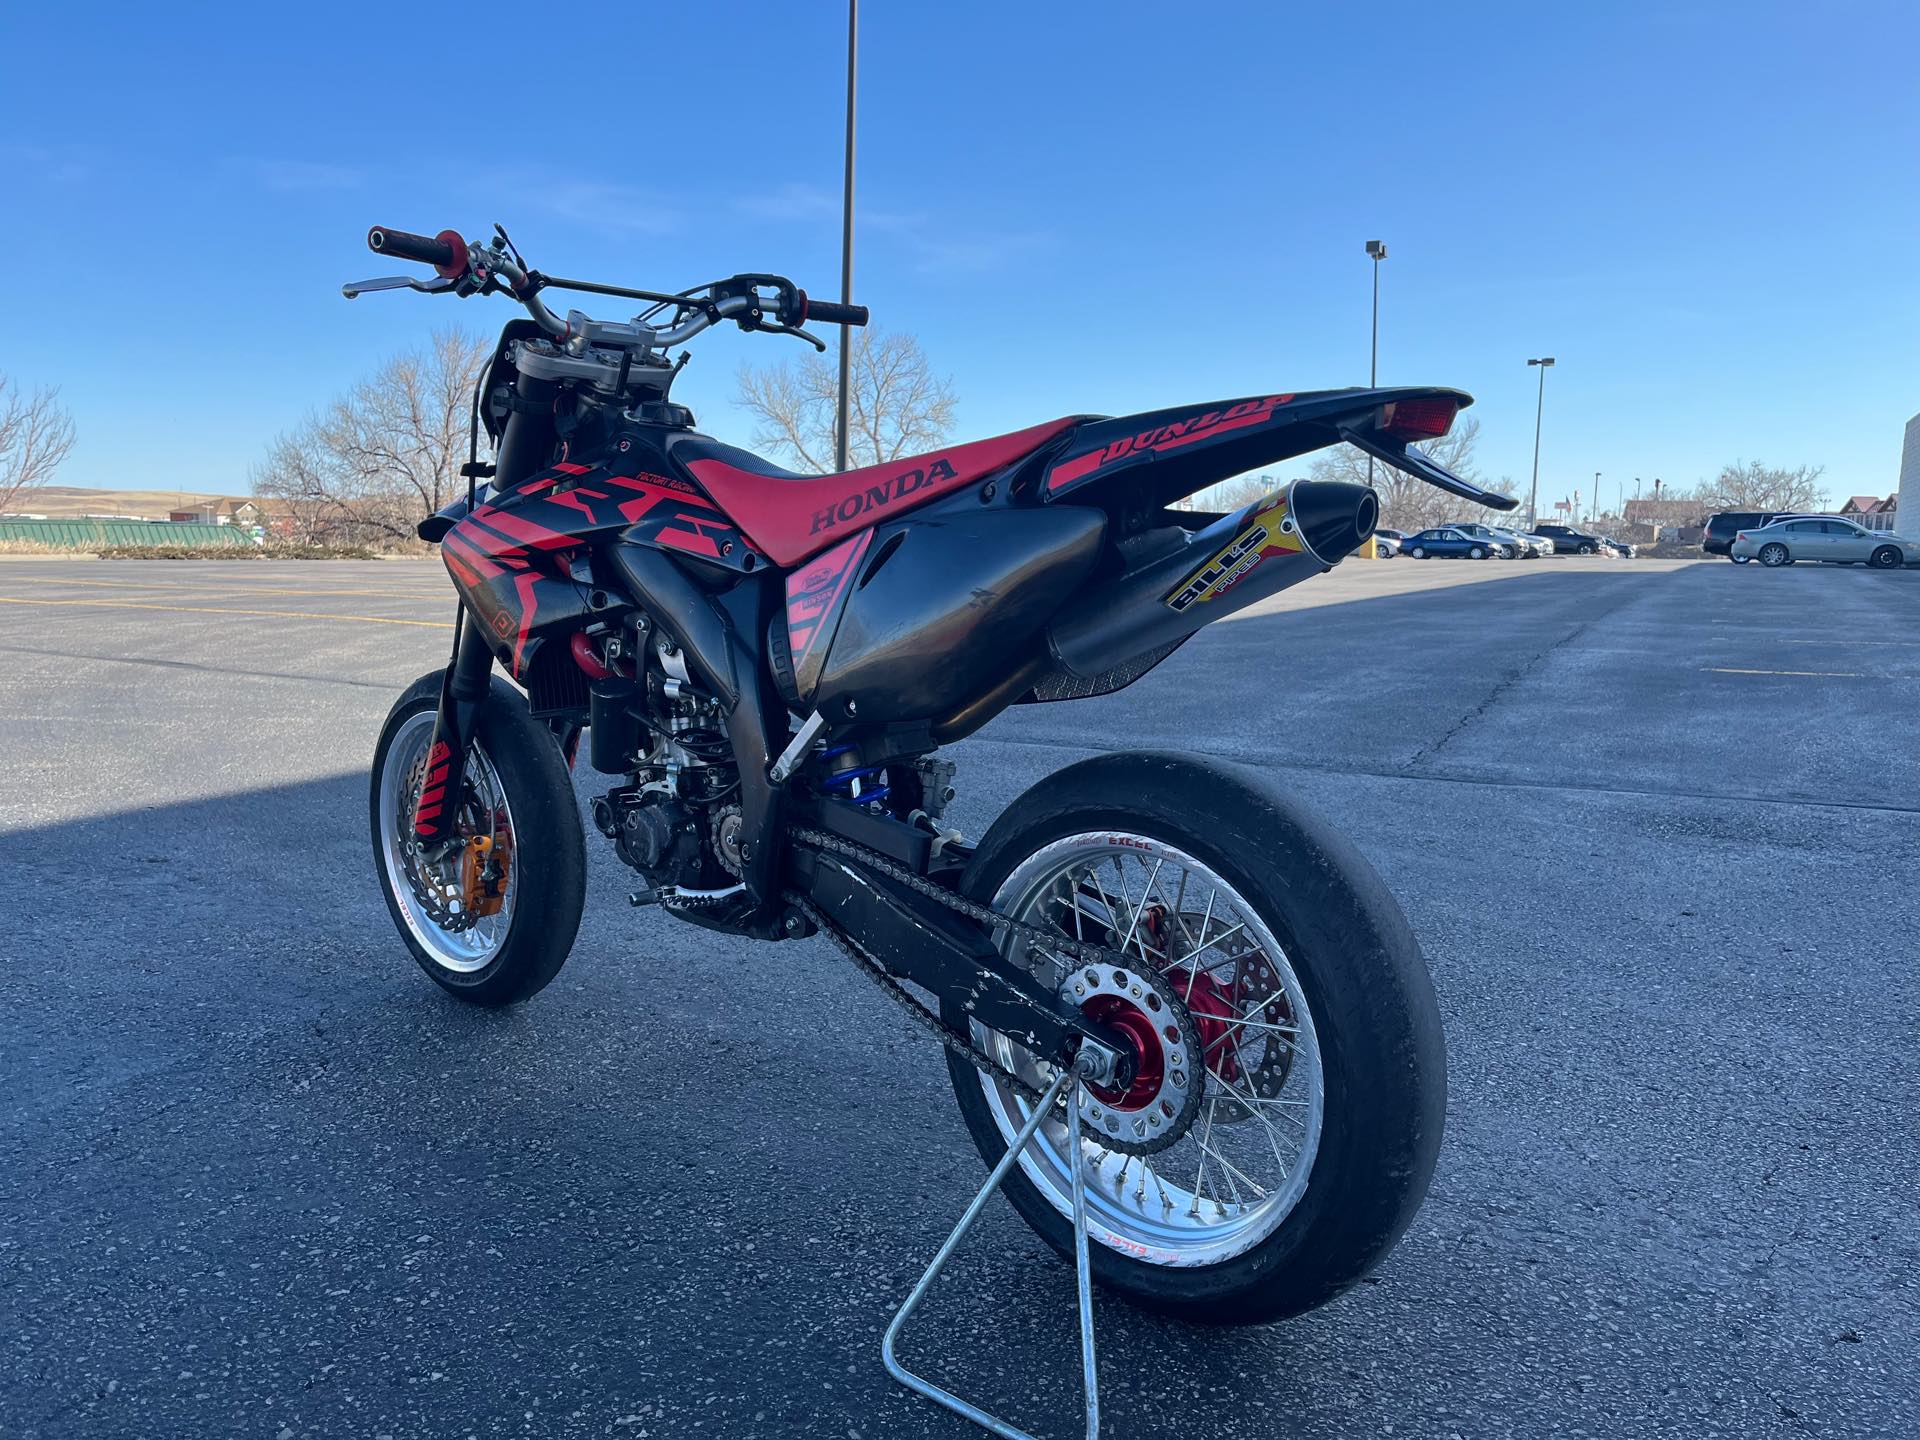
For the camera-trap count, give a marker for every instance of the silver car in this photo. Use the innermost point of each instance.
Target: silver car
(1839, 542)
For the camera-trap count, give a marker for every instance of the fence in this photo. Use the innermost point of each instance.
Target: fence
(92, 534)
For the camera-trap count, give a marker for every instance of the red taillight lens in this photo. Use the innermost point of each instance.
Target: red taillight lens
(1418, 419)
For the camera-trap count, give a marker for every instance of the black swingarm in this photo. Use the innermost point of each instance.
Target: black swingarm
(915, 937)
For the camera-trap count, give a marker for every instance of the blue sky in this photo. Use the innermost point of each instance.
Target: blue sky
(1707, 213)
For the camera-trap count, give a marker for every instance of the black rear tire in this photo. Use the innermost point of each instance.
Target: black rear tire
(1367, 988)
(549, 854)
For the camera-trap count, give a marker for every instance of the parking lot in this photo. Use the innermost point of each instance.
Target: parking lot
(1657, 825)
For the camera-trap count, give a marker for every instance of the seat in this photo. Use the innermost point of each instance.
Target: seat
(790, 517)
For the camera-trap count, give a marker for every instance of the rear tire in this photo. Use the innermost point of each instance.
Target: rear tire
(548, 867)
(1419, 552)
(1476, 553)
(1740, 559)
(1370, 1017)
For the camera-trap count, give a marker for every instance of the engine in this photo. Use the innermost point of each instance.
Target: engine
(676, 819)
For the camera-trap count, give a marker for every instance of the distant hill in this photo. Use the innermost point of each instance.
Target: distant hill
(70, 502)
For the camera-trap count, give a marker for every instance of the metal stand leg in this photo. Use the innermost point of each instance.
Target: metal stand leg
(1068, 1084)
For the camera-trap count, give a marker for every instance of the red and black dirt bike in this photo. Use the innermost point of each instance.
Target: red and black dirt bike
(764, 665)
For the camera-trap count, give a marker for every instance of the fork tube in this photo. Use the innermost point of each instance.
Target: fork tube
(462, 689)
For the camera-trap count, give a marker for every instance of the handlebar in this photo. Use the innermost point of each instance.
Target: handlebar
(446, 252)
(828, 312)
(466, 269)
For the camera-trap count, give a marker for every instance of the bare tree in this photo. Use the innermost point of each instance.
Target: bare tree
(36, 434)
(380, 459)
(1749, 485)
(896, 404)
(1406, 503)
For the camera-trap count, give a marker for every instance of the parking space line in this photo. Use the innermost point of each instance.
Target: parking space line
(423, 594)
(1811, 674)
(217, 610)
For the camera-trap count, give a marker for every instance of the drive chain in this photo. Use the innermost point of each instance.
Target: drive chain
(921, 1014)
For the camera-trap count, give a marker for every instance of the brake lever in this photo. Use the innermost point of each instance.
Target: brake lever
(434, 286)
(806, 335)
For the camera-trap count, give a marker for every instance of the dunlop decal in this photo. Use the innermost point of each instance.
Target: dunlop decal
(1268, 533)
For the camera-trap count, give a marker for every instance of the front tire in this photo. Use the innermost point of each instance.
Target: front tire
(1476, 553)
(1740, 559)
(1419, 552)
(517, 786)
(1364, 1067)
(1887, 557)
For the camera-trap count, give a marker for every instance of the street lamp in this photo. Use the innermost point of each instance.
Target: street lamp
(1533, 497)
(846, 245)
(1376, 251)
(1596, 498)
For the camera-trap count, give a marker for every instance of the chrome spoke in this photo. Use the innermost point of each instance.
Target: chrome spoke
(1230, 1174)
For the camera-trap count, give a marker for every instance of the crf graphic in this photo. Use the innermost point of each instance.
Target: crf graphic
(881, 496)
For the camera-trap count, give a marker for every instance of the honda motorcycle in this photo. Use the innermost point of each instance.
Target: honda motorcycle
(765, 666)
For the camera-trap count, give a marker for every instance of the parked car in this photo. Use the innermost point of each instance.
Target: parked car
(1448, 542)
(1622, 548)
(1506, 544)
(1568, 541)
(1721, 528)
(1542, 544)
(1386, 544)
(1837, 542)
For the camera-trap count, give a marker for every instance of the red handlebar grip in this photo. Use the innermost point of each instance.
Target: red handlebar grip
(446, 252)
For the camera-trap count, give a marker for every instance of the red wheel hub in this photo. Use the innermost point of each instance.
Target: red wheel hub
(1150, 1059)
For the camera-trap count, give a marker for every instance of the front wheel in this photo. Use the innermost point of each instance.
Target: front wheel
(491, 923)
(1476, 553)
(1887, 557)
(1268, 1172)
(1740, 559)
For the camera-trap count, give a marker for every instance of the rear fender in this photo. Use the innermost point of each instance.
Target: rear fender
(1158, 458)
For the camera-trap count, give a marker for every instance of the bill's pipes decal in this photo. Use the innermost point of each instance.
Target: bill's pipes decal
(1269, 531)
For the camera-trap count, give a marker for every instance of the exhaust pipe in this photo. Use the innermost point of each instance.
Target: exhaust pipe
(1259, 550)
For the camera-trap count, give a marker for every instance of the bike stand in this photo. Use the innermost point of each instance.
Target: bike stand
(1067, 1083)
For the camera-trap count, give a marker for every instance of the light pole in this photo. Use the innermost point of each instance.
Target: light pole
(1540, 405)
(846, 242)
(1596, 499)
(1376, 251)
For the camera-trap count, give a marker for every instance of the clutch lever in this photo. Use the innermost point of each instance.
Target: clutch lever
(397, 282)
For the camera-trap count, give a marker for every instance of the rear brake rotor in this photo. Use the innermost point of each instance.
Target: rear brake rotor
(1162, 1100)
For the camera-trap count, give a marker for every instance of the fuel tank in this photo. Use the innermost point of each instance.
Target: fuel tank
(919, 618)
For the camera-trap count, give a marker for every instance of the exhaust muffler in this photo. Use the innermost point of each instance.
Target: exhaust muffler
(1259, 550)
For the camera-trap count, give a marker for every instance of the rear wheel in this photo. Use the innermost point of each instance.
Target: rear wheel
(1887, 557)
(1476, 553)
(1774, 554)
(1419, 552)
(1273, 950)
(492, 926)
(1740, 559)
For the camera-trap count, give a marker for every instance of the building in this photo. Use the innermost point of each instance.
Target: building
(1908, 496)
(1870, 513)
(270, 516)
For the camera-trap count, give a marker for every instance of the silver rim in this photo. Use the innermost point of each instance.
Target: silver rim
(1235, 1176)
(462, 949)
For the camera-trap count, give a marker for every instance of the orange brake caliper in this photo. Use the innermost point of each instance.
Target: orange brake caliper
(483, 875)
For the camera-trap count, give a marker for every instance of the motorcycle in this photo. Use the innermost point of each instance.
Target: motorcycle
(764, 667)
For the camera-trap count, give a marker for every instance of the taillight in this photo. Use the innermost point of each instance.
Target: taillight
(1418, 419)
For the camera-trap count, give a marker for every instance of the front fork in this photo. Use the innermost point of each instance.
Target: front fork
(462, 691)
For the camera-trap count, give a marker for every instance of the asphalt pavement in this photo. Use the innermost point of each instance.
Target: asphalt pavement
(1657, 825)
